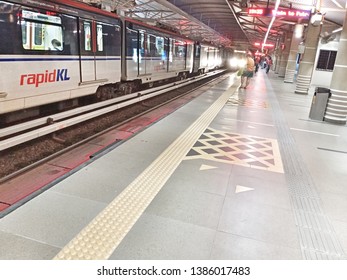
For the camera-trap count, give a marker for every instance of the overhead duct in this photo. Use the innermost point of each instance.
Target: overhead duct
(327, 37)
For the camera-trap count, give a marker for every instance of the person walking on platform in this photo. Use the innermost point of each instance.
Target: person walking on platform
(268, 63)
(248, 72)
(256, 62)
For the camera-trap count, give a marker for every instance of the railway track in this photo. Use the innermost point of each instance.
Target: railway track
(28, 145)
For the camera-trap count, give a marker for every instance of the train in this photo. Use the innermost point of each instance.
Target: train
(55, 55)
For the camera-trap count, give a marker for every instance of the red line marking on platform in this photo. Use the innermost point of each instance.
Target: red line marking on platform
(3, 206)
(19, 188)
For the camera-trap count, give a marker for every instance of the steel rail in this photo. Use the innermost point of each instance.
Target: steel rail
(63, 120)
(55, 117)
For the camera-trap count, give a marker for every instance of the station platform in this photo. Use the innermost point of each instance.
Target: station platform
(234, 174)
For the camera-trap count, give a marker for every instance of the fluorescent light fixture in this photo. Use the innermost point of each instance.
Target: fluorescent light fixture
(337, 30)
(271, 23)
(299, 30)
(337, 4)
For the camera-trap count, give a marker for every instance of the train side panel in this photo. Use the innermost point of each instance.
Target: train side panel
(177, 55)
(214, 58)
(58, 51)
(190, 57)
(152, 56)
(43, 61)
(203, 67)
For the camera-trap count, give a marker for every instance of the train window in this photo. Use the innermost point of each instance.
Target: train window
(155, 45)
(87, 32)
(111, 39)
(142, 45)
(171, 43)
(108, 39)
(197, 50)
(132, 43)
(179, 50)
(71, 46)
(38, 34)
(100, 42)
(150, 46)
(41, 31)
(159, 45)
(166, 49)
(24, 33)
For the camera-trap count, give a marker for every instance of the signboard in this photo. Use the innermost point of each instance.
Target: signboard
(301, 48)
(287, 13)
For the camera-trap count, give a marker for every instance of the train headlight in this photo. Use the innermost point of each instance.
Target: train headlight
(233, 62)
(237, 62)
(242, 63)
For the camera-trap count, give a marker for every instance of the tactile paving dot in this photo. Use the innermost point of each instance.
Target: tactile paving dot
(94, 242)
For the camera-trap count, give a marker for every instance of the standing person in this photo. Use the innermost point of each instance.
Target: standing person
(268, 63)
(248, 72)
(256, 61)
(263, 62)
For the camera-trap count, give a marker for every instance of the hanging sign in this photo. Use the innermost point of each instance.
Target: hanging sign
(287, 13)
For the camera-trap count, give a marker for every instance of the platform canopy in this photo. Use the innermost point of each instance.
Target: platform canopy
(238, 24)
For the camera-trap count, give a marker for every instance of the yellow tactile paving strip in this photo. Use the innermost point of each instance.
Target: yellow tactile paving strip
(233, 148)
(101, 237)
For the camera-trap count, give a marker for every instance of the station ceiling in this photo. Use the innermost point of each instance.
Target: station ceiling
(225, 22)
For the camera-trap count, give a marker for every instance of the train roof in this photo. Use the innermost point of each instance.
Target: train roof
(155, 28)
(82, 9)
(65, 6)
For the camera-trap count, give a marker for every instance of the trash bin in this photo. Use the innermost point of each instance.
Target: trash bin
(319, 103)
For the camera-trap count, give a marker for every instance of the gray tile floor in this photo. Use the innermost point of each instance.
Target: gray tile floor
(208, 209)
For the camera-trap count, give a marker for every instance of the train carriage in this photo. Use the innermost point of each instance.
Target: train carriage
(53, 53)
(56, 53)
(155, 55)
(207, 58)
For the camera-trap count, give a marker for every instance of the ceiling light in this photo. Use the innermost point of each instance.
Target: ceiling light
(337, 30)
(239, 51)
(272, 21)
(299, 30)
(337, 3)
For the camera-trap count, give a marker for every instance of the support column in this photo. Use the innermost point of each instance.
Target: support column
(337, 105)
(277, 54)
(294, 46)
(285, 55)
(307, 63)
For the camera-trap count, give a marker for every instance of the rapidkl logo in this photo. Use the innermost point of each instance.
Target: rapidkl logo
(56, 75)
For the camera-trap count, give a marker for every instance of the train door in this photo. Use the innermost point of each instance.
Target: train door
(133, 53)
(100, 67)
(211, 57)
(167, 53)
(142, 61)
(88, 50)
(108, 51)
(189, 56)
(204, 58)
(196, 60)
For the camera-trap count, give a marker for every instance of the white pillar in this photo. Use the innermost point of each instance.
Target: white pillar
(294, 46)
(303, 80)
(337, 106)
